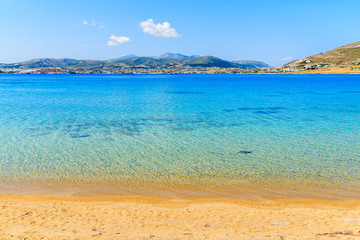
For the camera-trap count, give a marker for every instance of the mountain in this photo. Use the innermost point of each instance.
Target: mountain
(169, 62)
(165, 55)
(172, 55)
(53, 62)
(208, 61)
(250, 64)
(175, 55)
(146, 62)
(48, 62)
(123, 57)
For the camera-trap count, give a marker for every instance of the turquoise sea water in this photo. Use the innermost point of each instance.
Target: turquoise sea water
(242, 136)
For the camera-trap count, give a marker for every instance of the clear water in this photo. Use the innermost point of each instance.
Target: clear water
(242, 136)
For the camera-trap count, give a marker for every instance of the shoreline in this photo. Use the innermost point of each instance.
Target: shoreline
(335, 71)
(250, 192)
(166, 200)
(131, 217)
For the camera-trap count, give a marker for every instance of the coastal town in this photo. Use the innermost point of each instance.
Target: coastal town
(298, 66)
(127, 70)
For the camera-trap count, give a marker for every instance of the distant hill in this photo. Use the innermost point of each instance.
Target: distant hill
(123, 57)
(208, 61)
(146, 61)
(175, 55)
(48, 62)
(54, 62)
(165, 55)
(349, 53)
(250, 64)
(168, 61)
(345, 56)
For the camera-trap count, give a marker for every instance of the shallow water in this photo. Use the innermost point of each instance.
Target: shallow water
(242, 136)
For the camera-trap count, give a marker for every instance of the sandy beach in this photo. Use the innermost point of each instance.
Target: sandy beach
(335, 70)
(58, 217)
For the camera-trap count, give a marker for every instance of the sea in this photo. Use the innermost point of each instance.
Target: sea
(181, 136)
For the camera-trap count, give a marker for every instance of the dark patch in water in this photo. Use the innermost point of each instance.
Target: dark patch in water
(266, 112)
(228, 110)
(216, 124)
(105, 129)
(129, 131)
(79, 135)
(249, 109)
(155, 119)
(263, 110)
(182, 128)
(182, 92)
(276, 108)
(245, 152)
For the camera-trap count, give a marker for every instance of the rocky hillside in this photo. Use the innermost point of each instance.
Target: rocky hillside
(347, 56)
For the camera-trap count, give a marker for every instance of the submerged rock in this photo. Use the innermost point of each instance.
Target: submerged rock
(245, 152)
(182, 92)
(79, 136)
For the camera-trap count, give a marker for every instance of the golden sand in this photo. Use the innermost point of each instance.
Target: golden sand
(54, 217)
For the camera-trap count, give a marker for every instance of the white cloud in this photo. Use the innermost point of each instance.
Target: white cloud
(158, 30)
(286, 58)
(93, 23)
(114, 40)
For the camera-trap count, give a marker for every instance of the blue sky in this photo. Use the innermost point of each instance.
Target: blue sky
(270, 31)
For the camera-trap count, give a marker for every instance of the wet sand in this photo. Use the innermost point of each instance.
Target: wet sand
(60, 217)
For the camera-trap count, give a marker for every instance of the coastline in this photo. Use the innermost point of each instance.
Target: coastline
(129, 217)
(337, 71)
(324, 71)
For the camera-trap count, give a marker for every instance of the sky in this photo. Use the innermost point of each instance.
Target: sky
(275, 31)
